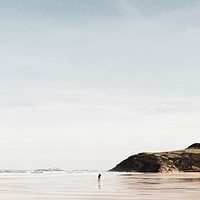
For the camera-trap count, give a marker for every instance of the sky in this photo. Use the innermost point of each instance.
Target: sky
(85, 84)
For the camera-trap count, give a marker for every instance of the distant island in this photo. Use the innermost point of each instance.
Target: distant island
(187, 160)
(54, 169)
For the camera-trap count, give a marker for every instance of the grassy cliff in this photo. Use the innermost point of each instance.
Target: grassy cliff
(187, 160)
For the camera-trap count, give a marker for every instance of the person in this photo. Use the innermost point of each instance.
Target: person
(99, 177)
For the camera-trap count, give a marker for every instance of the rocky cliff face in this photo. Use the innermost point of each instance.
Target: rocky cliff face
(187, 160)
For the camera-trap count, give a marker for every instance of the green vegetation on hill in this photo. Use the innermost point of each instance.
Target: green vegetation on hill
(187, 160)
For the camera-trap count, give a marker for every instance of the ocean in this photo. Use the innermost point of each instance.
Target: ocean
(84, 185)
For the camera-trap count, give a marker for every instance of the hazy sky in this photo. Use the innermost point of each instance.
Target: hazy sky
(86, 83)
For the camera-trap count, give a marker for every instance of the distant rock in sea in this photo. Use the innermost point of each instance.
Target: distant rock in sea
(54, 169)
(187, 160)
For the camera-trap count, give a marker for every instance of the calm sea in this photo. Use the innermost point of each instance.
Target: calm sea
(77, 185)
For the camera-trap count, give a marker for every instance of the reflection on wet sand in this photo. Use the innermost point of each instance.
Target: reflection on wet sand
(163, 186)
(99, 184)
(87, 186)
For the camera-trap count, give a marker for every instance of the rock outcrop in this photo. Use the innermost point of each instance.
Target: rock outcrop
(187, 160)
(194, 146)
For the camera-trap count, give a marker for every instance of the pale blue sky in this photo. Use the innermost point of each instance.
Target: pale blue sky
(84, 84)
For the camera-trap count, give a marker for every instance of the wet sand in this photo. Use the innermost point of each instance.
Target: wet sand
(77, 186)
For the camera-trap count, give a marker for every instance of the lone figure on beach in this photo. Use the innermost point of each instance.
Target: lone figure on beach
(99, 177)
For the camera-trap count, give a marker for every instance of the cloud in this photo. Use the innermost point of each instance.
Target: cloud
(65, 121)
(72, 84)
(155, 54)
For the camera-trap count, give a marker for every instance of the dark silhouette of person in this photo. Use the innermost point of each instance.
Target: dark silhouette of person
(99, 177)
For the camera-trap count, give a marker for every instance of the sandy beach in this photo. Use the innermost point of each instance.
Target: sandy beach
(84, 185)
